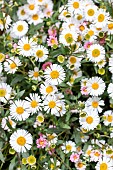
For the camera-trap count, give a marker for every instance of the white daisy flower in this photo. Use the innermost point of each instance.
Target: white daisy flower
(95, 155)
(101, 18)
(11, 65)
(95, 86)
(41, 53)
(68, 146)
(47, 89)
(75, 61)
(80, 165)
(39, 119)
(76, 74)
(26, 47)
(90, 120)
(101, 63)
(63, 12)
(108, 118)
(110, 27)
(62, 110)
(52, 139)
(54, 74)
(7, 21)
(94, 103)
(4, 123)
(5, 92)
(21, 13)
(104, 164)
(40, 2)
(96, 53)
(21, 140)
(88, 151)
(91, 34)
(90, 12)
(36, 18)
(33, 103)
(34, 74)
(48, 4)
(74, 6)
(31, 8)
(51, 105)
(110, 90)
(69, 23)
(68, 37)
(19, 110)
(19, 29)
(110, 64)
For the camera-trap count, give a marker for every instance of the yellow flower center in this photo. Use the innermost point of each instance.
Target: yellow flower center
(2, 92)
(95, 53)
(69, 38)
(81, 28)
(35, 17)
(89, 120)
(80, 164)
(95, 104)
(34, 104)
(51, 104)
(19, 110)
(31, 6)
(2, 57)
(95, 86)
(40, 118)
(109, 118)
(22, 12)
(21, 141)
(97, 154)
(72, 59)
(88, 152)
(40, 0)
(101, 18)
(13, 65)
(79, 17)
(50, 137)
(103, 166)
(54, 74)
(49, 89)
(91, 32)
(52, 41)
(26, 47)
(75, 5)
(20, 28)
(65, 13)
(90, 12)
(39, 53)
(110, 26)
(68, 147)
(36, 74)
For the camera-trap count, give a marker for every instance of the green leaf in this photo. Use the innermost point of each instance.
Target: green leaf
(12, 164)
(20, 94)
(64, 126)
(17, 79)
(2, 157)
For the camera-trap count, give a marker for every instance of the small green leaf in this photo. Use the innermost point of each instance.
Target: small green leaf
(12, 164)
(2, 157)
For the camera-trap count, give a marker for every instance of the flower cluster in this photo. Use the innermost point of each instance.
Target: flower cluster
(56, 85)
